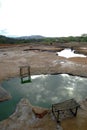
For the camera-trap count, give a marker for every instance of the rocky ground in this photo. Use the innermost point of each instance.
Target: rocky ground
(78, 123)
(24, 118)
(42, 60)
(28, 117)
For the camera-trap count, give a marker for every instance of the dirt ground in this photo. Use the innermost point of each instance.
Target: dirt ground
(43, 60)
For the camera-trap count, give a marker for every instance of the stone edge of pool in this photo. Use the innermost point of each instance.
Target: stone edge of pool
(4, 95)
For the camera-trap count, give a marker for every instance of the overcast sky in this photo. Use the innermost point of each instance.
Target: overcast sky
(43, 17)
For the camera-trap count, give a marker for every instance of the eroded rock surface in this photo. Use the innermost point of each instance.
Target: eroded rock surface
(41, 62)
(25, 119)
(80, 121)
(4, 95)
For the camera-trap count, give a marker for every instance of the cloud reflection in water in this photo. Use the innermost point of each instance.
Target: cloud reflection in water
(47, 89)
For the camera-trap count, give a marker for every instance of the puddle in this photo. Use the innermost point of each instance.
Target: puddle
(69, 53)
(43, 91)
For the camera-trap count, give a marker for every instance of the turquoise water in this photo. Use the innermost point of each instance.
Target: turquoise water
(44, 90)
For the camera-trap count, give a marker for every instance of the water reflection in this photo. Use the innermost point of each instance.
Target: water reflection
(44, 90)
(69, 53)
(48, 87)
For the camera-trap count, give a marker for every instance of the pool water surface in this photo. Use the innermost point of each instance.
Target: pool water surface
(43, 91)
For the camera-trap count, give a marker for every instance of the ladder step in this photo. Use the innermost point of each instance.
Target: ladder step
(25, 74)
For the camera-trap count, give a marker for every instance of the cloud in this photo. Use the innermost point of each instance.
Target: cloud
(3, 32)
(44, 17)
(1, 3)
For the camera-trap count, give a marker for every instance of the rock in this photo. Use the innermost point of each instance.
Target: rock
(24, 118)
(40, 112)
(4, 95)
(80, 121)
(59, 127)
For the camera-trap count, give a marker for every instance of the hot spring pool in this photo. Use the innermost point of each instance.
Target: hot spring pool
(44, 90)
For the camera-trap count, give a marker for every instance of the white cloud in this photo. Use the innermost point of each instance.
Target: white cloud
(44, 17)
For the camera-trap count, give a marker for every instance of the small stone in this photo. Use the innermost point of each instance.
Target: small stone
(59, 127)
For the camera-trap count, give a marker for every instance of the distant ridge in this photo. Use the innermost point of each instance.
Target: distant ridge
(31, 37)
